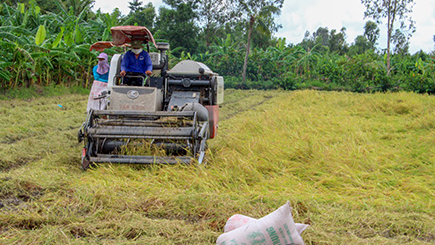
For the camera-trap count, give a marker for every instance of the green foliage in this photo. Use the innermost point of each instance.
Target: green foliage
(43, 48)
(177, 25)
(371, 32)
(420, 77)
(326, 41)
(142, 16)
(401, 42)
(360, 46)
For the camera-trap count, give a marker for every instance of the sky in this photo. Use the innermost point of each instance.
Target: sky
(299, 16)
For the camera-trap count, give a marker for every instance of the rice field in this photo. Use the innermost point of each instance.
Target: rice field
(358, 168)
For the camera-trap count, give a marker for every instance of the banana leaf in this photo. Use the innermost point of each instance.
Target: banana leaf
(40, 35)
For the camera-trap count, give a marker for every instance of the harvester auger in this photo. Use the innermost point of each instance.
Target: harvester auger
(175, 111)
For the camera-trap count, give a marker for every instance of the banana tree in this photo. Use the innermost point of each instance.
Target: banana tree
(306, 59)
(225, 55)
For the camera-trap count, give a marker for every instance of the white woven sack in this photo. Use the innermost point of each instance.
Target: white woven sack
(273, 229)
(238, 220)
(96, 90)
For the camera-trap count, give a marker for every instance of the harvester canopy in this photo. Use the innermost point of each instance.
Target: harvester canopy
(123, 35)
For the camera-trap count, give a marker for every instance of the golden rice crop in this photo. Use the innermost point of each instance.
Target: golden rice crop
(357, 167)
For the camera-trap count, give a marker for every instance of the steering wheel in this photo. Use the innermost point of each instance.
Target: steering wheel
(145, 80)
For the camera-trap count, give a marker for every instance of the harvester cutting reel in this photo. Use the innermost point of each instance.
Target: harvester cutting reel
(111, 136)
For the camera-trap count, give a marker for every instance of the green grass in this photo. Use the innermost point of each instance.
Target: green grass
(357, 167)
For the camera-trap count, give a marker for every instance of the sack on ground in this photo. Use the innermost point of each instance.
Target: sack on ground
(275, 228)
(238, 220)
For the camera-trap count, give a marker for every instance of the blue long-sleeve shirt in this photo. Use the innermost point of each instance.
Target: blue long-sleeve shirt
(99, 77)
(142, 64)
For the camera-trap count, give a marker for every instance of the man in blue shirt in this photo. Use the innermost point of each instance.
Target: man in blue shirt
(136, 62)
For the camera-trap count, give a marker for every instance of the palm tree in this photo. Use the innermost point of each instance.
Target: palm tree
(256, 10)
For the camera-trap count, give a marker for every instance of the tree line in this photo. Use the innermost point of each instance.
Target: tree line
(47, 42)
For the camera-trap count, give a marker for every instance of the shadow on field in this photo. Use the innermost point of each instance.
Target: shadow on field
(16, 192)
(6, 166)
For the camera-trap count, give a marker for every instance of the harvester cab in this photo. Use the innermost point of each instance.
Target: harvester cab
(170, 117)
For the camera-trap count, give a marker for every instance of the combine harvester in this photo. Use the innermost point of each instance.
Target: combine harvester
(176, 110)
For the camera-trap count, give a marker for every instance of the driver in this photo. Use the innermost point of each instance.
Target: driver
(136, 62)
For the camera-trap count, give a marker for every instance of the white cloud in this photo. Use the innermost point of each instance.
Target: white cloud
(336, 14)
(107, 6)
(316, 13)
(424, 16)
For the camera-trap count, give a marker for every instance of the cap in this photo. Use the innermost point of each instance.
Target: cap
(102, 56)
(136, 44)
